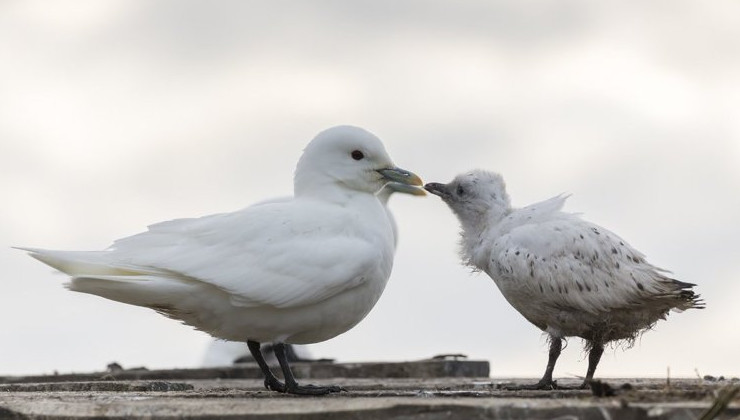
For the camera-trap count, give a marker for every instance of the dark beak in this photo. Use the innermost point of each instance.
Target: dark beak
(438, 189)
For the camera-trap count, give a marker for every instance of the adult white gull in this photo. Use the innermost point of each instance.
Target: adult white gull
(298, 271)
(565, 275)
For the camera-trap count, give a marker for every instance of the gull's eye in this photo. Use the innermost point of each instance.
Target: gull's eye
(460, 190)
(357, 155)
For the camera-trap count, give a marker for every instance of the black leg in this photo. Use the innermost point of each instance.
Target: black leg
(597, 349)
(271, 382)
(291, 386)
(556, 345)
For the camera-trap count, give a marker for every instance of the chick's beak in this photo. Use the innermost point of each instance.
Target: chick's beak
(438, 189)
(400, 175)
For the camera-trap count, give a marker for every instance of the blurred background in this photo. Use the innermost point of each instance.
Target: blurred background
(115, 114)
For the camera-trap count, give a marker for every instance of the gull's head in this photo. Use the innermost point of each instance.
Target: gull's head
(473, 195)
(347, 157)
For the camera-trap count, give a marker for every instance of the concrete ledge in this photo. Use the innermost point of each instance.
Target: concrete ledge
(136, 386)
(357, 408)
(448, 398)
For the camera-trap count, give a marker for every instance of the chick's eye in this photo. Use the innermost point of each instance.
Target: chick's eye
(460, 190)
(357, 155)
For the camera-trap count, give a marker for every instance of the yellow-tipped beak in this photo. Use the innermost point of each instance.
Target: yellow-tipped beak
(401, 175)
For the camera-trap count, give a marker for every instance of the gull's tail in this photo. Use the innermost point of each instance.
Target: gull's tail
(98, 273)
(687, 296)
(78, 263)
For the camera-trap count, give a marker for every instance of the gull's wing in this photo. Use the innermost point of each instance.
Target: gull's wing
(272, 254)
(568, 263)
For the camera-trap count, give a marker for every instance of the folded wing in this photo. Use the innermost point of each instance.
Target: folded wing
(568, 263)
(262, 255)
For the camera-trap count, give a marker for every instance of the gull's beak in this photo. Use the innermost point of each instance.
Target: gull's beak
(400, 175)
(405, 188)
(438, 189)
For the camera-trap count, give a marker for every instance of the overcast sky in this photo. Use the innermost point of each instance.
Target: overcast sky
(118, 114)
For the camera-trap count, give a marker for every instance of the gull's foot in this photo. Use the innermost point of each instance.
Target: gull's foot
(313, 389)
(553, 385)
(272, 384)
(542, 385)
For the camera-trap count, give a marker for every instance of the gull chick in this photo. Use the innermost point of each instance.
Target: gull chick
(296, 271)
(567, 276)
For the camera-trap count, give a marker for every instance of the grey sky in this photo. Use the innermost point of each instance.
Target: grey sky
(118, 114)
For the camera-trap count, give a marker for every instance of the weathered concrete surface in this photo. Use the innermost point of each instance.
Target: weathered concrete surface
(445, 388)
(387, 398)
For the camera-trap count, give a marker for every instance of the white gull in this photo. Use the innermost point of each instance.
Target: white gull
(298, 271)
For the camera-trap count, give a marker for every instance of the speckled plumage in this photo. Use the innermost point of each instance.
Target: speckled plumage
(567, 276)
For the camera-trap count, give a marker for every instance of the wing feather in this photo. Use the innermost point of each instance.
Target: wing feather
(568, 263)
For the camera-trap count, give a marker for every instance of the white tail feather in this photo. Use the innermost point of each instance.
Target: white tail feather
(77, 263)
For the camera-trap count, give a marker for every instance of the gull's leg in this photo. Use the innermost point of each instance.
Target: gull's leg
(271, 382)
(556, 345)
(594, 356)
(291, 386)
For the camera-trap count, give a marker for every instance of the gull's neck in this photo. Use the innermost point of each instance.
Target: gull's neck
(476, 227)
(479, 218)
